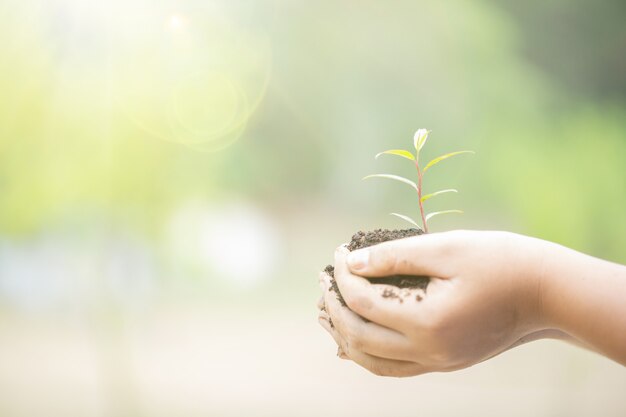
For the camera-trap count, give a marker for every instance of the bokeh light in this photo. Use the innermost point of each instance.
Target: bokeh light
(234, 241)
(189, 82)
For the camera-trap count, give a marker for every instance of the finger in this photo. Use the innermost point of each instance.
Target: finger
(418, 255)
(323, 315)
(378, 366)
(363, 298)
(384, 367)
(368, 337)
(321, 276)
(335, 335)
(324, 281)
(320, 303)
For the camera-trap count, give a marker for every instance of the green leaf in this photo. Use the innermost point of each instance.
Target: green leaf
(437, 213)
(428, 196)
(393, 177)
(406, 218)
(442, 157)
(398, 152)
(419, 139)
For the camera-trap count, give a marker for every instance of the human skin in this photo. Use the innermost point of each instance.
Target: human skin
(489, 292)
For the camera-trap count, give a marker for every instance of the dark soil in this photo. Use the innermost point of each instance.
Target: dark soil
(364, 239)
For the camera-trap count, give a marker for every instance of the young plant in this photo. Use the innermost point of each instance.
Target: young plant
(419, 140)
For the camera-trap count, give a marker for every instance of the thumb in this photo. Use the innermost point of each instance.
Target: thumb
(418, 255)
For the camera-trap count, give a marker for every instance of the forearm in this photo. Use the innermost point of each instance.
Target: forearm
(585, 297)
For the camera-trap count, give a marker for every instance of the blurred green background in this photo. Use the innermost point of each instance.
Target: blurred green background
(174, 174)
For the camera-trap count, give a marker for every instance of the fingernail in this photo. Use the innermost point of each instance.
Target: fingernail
(358, 259)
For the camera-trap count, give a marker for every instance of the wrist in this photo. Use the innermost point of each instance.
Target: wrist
(584, 298)
(534, 287)
(562, 269)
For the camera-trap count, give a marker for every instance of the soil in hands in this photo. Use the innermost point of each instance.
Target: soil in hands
(403, 282)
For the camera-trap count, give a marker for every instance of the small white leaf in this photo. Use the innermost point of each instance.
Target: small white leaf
(428, 196)
(436, 213)
(406, 218)
(393, 177)
(398, 152)
(442, 157)
(419, 139)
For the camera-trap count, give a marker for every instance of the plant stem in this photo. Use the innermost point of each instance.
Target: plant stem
(419, 196)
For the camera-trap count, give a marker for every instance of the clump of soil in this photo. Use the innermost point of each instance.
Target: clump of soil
(364, 239)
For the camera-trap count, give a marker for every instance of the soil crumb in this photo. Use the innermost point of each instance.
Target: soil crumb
(364, 239)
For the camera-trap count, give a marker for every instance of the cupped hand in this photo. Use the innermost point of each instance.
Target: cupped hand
(484, 297)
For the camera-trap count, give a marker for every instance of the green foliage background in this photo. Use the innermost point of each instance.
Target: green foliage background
(537, 90)
(137, 136)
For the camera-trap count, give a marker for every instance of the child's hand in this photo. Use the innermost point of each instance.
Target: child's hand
(485, 296)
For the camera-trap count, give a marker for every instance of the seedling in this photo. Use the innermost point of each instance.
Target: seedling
(419, 140)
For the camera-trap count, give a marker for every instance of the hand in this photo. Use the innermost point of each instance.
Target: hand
(484, 297)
